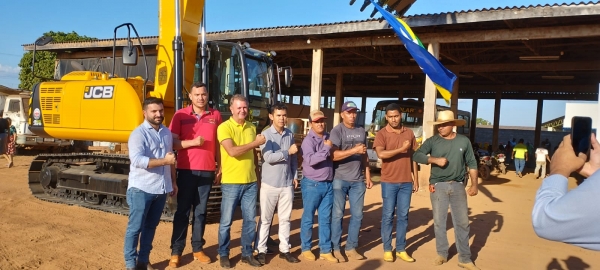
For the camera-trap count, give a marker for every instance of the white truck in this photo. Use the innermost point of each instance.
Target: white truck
(15, 105)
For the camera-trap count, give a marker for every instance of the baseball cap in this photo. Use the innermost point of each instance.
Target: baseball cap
(316, 115)
(349, 105)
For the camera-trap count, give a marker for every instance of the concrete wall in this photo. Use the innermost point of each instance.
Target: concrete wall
(484, 134)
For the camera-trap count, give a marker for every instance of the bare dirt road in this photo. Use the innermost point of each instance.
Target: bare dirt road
(41, 235)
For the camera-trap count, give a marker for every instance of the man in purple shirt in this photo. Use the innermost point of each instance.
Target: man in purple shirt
(317, 190)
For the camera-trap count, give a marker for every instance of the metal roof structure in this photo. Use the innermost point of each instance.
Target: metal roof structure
(529, 52)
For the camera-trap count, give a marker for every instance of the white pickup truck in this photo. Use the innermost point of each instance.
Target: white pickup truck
(15, 105)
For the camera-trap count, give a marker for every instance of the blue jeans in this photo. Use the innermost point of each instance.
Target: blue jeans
(451, 194)
(396, 198)
(145, 210)
(316, 195)
(355, 191)
(194, 190)
(234, 194)
(519, 164)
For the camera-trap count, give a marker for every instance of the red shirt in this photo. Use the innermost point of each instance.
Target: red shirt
(189, 125)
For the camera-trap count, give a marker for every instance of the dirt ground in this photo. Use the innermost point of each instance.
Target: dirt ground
(40, 235)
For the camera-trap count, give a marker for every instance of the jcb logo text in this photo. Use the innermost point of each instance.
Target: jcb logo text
(99, 92)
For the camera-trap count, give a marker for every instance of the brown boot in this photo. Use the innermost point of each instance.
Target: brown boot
(201, 257)
(439, 260)
(469, 266)
(329, 257)
(309, 255)
(174, 262)
(354, 255)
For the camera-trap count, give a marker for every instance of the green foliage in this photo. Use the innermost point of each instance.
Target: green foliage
(481, 121)
(44, 60)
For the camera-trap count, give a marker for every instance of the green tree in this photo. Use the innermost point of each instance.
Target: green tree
(481, 121)
(44, 60)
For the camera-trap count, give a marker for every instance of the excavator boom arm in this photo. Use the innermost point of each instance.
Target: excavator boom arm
(191, 16)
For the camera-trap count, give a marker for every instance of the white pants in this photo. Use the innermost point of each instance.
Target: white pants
(282, 198)
(538, 165)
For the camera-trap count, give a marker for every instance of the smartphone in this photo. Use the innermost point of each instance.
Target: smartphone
(581, 131)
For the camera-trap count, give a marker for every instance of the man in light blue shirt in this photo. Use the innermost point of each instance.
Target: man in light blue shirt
(570, 216)
(150, 179)
(279, 179)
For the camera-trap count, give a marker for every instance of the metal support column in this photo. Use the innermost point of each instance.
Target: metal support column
(496, 123)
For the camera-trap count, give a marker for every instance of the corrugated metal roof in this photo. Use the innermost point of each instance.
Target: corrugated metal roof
(408, 18)
(418, 15)
(510, 8)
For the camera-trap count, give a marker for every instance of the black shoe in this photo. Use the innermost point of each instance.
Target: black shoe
(224, 261)
(251, 261)
(288, 257)
(261, 258)
(144, 266)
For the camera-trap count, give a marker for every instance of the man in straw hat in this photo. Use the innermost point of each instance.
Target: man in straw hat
(449, 152)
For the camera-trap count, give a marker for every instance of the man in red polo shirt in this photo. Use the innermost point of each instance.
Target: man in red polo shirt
(194, 130)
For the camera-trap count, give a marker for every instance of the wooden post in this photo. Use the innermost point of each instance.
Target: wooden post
(339, 84)
(430, 97)
(429, 110)
(496, 123)
(454, 98)
(316, 80)
(473, 127)
(363, 105)
(538, 124)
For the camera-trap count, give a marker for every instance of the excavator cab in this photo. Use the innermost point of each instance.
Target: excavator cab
(238, 69)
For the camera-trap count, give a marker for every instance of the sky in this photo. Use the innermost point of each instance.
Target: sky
(23, 21)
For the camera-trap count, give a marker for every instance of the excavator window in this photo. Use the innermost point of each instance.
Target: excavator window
(225, 75)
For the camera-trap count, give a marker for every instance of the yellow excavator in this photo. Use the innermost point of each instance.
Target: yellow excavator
(102, 106)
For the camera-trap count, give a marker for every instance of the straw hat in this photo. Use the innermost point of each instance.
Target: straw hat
(445, 117)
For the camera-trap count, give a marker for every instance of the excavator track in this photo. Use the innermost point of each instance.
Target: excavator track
(95, 181)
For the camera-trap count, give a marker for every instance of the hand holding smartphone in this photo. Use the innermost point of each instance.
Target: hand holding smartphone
(581, 132)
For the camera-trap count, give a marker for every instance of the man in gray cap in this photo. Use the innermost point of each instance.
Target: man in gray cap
(350, 164)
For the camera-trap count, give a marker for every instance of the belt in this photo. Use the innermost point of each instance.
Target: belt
(450, 181)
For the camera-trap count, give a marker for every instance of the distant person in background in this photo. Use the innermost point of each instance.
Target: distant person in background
(546, 143)
(4, 138)
(508, 151)
(519, 155)
(12, 142)
(570, 216)
(541, 156)
(530, 152)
